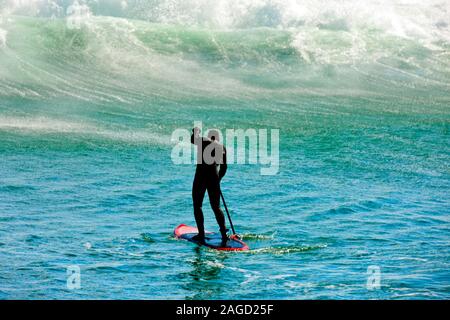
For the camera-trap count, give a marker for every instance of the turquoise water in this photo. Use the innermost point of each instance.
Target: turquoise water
(86, 178)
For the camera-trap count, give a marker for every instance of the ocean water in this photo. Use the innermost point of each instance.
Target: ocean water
(360, 91)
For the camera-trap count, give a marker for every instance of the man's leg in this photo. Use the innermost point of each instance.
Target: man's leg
(214, 199)
(198, 193)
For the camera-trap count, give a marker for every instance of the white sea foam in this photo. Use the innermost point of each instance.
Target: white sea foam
(40, 124)
(400, 17)
(43, 125)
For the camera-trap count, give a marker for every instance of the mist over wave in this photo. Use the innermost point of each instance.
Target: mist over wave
(401, 17)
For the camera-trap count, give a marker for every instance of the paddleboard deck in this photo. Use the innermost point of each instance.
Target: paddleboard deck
(212, 240)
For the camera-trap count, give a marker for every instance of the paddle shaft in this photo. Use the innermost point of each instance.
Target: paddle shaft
(228, 214)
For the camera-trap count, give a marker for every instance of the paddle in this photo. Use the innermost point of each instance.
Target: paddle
(228, 214)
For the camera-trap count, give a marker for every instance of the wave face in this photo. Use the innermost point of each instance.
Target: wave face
(129, 51)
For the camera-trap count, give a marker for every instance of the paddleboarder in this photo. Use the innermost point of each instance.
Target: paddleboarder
(211, 168)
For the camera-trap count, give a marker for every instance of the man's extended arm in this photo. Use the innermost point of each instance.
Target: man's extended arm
(196, 138)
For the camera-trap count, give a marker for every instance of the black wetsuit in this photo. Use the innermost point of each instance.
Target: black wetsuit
(207, 177)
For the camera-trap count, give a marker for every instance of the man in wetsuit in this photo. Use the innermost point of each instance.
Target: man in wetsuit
(210, 155)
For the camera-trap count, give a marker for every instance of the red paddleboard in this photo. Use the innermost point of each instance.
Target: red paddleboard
(212, 240)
